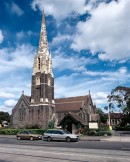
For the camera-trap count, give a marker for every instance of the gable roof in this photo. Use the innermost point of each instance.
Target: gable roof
(75, 117)
(28, 98)
(24, 98)
(70, 103)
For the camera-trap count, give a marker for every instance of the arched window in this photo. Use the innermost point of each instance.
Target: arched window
(38, 80)
(22, 113)
(38, 63)
(49, 81)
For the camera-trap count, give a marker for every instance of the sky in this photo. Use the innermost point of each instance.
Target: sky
(88, 39)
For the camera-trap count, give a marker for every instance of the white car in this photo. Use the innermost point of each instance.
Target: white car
(58, 134)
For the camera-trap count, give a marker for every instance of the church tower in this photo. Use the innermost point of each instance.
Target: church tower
(42, 88)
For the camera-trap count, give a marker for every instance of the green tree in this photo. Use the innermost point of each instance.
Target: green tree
(102, 116)
(4, 116)
(120, 100)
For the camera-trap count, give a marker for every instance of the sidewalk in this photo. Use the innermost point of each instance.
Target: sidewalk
(108, 138)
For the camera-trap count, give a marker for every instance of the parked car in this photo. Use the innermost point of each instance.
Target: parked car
(5, 124)
(58, 134)
(28, 135)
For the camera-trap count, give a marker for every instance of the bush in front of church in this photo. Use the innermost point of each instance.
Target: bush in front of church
(9, 131)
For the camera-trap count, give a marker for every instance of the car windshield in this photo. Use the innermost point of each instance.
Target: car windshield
(66, 132)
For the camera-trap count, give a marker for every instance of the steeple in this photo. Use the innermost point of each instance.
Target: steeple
(43, 44)
(42, 91)
(43, 60)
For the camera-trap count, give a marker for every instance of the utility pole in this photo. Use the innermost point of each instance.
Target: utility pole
(109, 116)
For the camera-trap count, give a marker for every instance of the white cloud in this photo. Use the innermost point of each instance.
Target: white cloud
(16, 9)
(8, 106)
(17, 65)
(60, 9)
(100, 84)
(107, 30)
(10, 103)
(5, 109)
(20, 35)
(123, 70)
(6, 95)
(1, 37)
(101, 95)
(28, 85)
(100, 98)
(12, 59)
(75, 63)
(59, 39)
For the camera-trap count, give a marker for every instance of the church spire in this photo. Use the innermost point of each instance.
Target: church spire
(43, 43)
(43, 60)
(42, 90)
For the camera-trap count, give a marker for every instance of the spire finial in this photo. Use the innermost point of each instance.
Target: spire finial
(23, 92)
(89, 92)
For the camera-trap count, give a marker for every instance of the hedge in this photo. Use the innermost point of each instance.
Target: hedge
(119, 128)
(8, 131)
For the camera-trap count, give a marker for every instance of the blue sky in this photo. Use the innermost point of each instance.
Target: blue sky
(88, 40)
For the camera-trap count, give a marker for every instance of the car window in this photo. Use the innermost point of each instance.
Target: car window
(22, 132)
(49, 131)
(30, 132)
(66, 132)
(59, 132)
(55, 132)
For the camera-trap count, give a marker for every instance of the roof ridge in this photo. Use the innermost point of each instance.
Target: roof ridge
(68, 102)
(71, 97)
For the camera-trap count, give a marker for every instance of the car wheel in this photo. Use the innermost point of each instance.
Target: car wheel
(68, 139)
(77, 140)
(18, 138)
(31, 138)
(49, 139)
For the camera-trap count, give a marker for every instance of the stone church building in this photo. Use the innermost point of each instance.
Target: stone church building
(41, 108)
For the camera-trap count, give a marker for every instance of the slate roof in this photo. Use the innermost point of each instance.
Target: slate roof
(115, 115)
(28, 98)
(70, 103)
(75, 117)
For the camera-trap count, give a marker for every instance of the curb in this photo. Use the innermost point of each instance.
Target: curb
(90, 140)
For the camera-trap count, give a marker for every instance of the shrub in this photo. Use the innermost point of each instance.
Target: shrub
(91, 132)
(103, 133)
(103, 128)
(9, 131)
(120, 128)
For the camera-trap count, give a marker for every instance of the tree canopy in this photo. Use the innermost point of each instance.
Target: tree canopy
(102, 116)
(4, 116)
(120, 99)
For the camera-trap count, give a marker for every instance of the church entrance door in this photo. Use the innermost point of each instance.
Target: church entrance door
(69, 127)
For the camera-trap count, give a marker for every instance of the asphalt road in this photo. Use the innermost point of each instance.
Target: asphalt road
(13, 150)
(81, 144)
